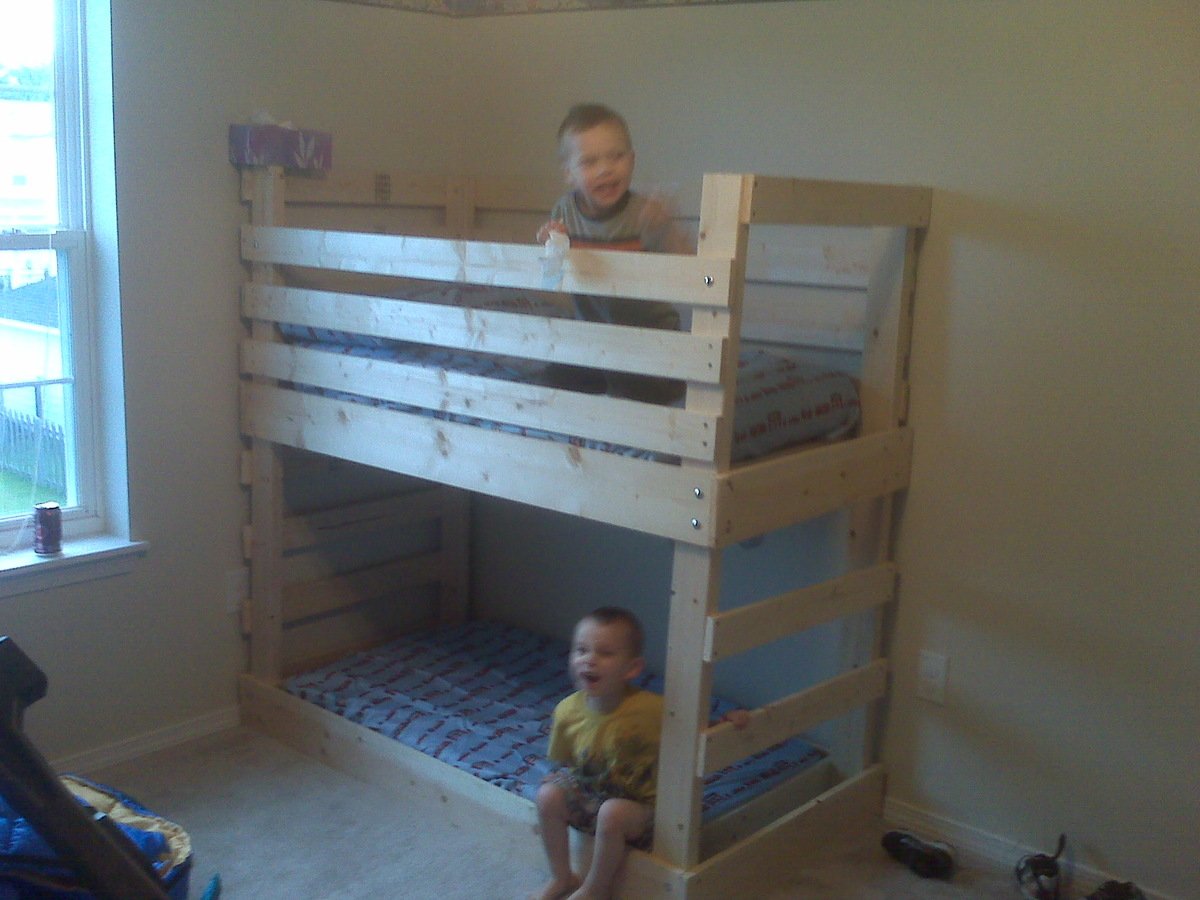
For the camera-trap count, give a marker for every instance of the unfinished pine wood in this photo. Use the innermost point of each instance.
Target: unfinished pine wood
(666, 430)
(318, 597)
(669, 354)
(454, 578)
(657, 498)
(637, 276)
(753, 815)
(357, 188)
(805, 201)
(793, 487)
(752, 866)
(722, 744)
(850, 296)
(883, 392)
(266, 495)
(797, 315)
(376, 759)
(316, 642)
(687, 695)
(738, 630)
(353, 521)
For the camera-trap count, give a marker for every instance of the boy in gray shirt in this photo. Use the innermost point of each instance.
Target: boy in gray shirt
(600, 211)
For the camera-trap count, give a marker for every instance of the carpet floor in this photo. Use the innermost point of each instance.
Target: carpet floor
(276, 824)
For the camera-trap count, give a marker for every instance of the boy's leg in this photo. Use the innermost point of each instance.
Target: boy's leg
(552, 816)
(619, 822)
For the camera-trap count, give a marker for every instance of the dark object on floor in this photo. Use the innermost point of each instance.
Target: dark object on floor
(1037, 873)
(56, 846)
(1116, 890)
(929, 859)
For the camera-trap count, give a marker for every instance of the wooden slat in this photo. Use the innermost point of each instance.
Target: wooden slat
(323, 596)
(651, 351)
(658, 276)
(656, 498)
(758, 812)
(820, 256)
(376, 759)
(753, 866)
(316, 642)
(803, 201)
(364, 188)
(804, 316)
(356, 520)
(738, 630)
(793, 487)
(722, 745)
(667, 430)
(514, 197)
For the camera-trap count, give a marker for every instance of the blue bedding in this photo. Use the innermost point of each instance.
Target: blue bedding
(480, 696)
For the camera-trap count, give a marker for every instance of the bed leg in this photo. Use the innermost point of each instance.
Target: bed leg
(266, 563)
(695, 582)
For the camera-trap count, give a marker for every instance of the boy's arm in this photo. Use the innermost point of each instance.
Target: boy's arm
(657, 224)
(738, 718)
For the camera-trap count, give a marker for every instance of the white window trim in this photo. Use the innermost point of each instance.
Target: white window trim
(96, 541)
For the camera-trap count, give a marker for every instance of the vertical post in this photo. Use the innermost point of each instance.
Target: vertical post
(454, 577)
(696, 571)
(884, 391)
(695, 584)
(266, 482)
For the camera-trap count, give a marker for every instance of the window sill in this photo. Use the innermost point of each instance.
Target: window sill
(82, 559)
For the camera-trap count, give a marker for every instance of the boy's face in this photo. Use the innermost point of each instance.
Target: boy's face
(602, 661)
(598, 164)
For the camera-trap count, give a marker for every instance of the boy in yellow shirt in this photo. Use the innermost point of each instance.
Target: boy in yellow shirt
(606, 736)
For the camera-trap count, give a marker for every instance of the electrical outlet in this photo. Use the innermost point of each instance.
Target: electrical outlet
(931, 677)
(237, 588)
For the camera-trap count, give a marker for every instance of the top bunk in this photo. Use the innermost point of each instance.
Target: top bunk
(409, 323)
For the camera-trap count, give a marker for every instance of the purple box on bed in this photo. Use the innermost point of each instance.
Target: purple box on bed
(278, 145)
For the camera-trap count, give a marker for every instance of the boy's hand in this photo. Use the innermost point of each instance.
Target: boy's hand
(549, 228)
(738, 718)
(657, 213)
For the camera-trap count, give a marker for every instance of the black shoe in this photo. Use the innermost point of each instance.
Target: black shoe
(929, 859)
(1037, 873)
(1116, 890)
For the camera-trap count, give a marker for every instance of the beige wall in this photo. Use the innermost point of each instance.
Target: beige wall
(133, 655)
(1048, 543)
(1048, 537)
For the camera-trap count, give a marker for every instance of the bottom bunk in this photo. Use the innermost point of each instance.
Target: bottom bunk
(465, 710)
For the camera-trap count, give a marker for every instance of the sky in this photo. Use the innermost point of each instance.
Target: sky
(26, 33)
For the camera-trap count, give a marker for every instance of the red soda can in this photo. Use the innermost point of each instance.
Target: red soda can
(47, 528)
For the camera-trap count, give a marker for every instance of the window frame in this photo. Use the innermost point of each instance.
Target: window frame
(95, 527)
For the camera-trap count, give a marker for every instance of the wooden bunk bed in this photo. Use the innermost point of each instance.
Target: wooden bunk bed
(326, 253)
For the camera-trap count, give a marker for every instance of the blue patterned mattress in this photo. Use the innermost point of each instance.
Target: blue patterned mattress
(480, 696)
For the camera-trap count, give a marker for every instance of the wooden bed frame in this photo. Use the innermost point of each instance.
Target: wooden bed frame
(755, 275)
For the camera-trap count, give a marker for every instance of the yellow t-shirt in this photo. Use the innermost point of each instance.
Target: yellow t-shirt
(614, 754)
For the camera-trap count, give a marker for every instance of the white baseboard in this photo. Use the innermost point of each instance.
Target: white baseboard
(123, 751)
(989, 851)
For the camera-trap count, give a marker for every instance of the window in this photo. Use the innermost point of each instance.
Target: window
(48, 398)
